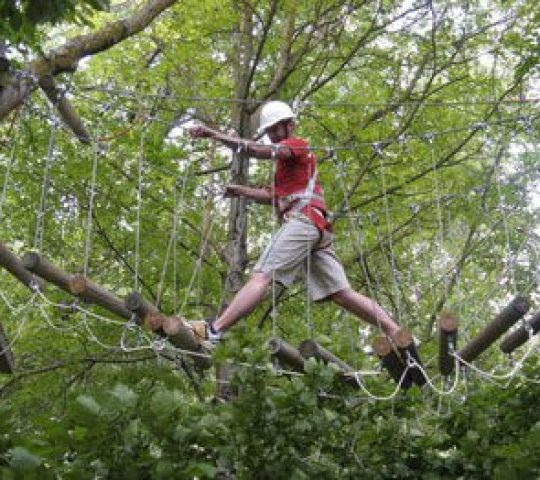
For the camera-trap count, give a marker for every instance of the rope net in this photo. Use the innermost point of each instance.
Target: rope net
(425, 220)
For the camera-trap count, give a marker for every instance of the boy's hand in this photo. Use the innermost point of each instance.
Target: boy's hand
(200, 131)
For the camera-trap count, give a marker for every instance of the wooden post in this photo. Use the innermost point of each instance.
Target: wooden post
(447, 342)
(500, 324)
(14, 266)
(82, 287)
(405, 344)
(521, 335)
(391, 361)
(310, 348)
(34, 262)
(225, 391)
(6, 355)
(285, 353)
(181, 336)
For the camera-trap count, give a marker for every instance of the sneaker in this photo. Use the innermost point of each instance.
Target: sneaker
(213, 336)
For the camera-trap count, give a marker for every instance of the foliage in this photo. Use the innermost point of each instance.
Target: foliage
(22, 20)
(279, 428)
(429, 162)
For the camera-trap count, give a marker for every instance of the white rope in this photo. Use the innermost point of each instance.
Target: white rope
(140, 168)
(40, 216)
(198, 263)
(91, 199)
(508, 376)
(356, 236)
(11, 162)
(373, 396)
(17, 312)
(275, 207)
(393, 269)
(178, 204)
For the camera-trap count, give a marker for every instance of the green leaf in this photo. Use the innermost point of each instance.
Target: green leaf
(125, 394)
(89, 404)
(22, 459)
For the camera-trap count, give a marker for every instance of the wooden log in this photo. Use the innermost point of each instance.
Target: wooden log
(88, 291)
(34, 262)
(310, 348)
(15, 266)
(391, 361)
(286, 354)
(447, 342)
(181, 336)
(500, 324)
(405, 344)
(6, 355)
(65, 108)
(521, 335)
(145, 313)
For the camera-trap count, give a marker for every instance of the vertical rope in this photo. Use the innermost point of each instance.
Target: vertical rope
(275, 213)
(11, 161)
(354, 227)
(309, 319)
(92, 194)
(40, 215)
(389, 229)
(204, 242)
(140, 165)
(171, 246)
(440, 223)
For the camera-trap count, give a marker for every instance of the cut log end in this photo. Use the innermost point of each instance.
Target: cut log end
(521, 304)
(273, 345)
(31, 261)
(403, 339)
(77, 284)
(448, 323)
(381, 346)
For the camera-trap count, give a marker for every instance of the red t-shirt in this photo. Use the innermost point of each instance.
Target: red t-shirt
(292, 176)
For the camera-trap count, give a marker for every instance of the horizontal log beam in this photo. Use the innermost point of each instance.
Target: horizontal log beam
(448, 325)
(521, 335)
(286, 354)
(35, 263)
(65, 108)
(90, 292)
(500, 324)
(181, 336)
(391, 361)
(147, 314)
(15, 266)
(310, 348)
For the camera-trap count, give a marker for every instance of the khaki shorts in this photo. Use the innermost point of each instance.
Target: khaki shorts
(297, 248)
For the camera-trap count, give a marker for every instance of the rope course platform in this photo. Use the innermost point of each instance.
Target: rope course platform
(399, 357)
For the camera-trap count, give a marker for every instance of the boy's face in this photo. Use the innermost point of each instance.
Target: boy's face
(280, 131)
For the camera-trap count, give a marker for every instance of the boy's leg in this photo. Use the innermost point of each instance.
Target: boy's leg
(247, 298)
(365, 308)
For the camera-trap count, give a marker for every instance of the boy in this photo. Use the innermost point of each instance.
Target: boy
(298, 200)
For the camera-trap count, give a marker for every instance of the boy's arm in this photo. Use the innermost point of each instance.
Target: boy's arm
(257, 194)
(253, 149)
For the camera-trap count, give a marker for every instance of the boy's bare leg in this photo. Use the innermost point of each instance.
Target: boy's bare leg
(365, 308)
(247, 298)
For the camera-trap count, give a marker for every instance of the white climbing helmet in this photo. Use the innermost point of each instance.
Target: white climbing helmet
(274, 112)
